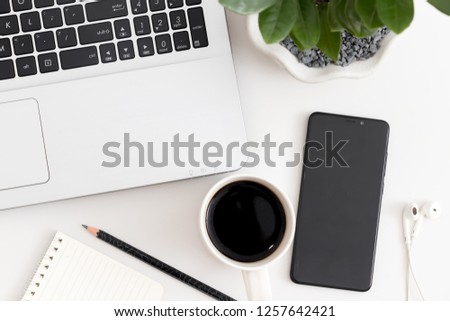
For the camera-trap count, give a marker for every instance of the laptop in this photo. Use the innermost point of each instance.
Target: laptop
(96, 95)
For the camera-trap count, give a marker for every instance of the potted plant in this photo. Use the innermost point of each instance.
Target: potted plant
(341, 35)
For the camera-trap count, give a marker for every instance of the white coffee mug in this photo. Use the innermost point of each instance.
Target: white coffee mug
(255, 273)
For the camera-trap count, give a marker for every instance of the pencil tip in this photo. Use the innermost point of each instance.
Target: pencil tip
(85, 226)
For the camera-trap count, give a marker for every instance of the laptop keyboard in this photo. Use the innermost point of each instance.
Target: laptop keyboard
(47, 36)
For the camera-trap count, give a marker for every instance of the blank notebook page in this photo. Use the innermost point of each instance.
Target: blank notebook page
(71, 270)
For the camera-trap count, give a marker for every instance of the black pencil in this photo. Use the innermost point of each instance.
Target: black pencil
(180, 276)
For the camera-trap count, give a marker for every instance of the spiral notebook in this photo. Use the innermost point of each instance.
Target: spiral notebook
(71, 270)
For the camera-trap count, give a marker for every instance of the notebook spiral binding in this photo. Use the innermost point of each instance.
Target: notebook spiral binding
(42, 269)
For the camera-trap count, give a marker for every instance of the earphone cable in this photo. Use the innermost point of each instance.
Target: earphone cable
(411, 270)
(408, 273)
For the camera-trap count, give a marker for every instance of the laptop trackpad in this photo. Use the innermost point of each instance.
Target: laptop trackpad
(23, 160)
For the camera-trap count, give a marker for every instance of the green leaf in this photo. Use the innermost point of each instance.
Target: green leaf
(247, 7)
(367, 10)
(330, 41)
(277, 21)
(297, 42)
(397, 15)
(335, 14)
(441, 5)
(307, 27)
(342, 15)
(334, 22)
(354, 23)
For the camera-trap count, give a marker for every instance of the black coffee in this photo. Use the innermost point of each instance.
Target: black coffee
(246, 221)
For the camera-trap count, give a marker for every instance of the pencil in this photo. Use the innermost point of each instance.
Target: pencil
(163, 267)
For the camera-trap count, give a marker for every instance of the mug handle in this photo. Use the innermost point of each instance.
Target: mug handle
(257, 284)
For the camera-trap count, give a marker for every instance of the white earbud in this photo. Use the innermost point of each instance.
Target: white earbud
(431, 210)
(411, 214)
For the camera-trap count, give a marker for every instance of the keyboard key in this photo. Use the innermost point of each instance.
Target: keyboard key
(23, 45)
(145, 46)
(198, 27)
(65, 1)
(77, 58)
(108, 53)
(181, 41)
(66, 38)
(44, 41)
(4, 7)
(163, 44)
(43, 3)
(9, 25)
(74, 15)
(52, 18)
(30, 21)
(7, 69)
(48, 62)
(178, 20)
(95, 33)
(102, 10)
(160, 22)
(5, 48)
(157, 5)
(21, 5)
(138, 6)
(142, 26)
(193, 2)
(175, 3)
(122, 28)
(26, 66)
(126, 50)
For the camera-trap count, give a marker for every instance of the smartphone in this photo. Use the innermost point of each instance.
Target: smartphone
(340, 199)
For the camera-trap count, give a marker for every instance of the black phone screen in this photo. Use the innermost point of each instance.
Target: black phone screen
(340, 199)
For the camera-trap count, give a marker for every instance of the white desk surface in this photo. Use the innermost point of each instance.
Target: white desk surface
(410, 90)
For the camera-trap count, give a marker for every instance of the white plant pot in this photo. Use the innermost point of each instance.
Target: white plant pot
(288, 61)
